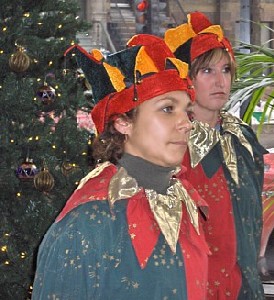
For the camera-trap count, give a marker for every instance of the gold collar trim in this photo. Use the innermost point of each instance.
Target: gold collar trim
(94, 173)
(203, 138)
(167, 209)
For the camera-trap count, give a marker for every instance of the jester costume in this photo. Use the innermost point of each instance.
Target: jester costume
(132, 229)
(116, 240)
(228, 172)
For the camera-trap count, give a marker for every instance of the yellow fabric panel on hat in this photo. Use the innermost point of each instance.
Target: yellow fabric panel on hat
(181, 66)
(144, 64)
(214, 29)
(115, 76)
(179, 35)
(97, 54)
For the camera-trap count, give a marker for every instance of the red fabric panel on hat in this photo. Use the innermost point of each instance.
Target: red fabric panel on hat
(199, 21)
(203, 43)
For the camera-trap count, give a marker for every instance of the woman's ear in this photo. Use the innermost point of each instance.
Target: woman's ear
(122, 125)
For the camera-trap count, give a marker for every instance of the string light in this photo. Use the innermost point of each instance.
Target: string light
(4, 248)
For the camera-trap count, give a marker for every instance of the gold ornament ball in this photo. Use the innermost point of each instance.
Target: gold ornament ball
(44, 181)
(19, 61)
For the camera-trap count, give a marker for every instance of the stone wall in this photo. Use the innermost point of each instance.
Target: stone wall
(227, 13)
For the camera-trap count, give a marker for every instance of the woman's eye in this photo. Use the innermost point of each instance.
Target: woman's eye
(168, 109)
(227, 69)
(206, 70)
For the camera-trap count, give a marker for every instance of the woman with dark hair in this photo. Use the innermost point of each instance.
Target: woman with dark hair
(226, 159)
(131, 230)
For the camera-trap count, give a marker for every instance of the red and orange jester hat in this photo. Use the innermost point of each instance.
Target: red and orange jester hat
(192, 39)
(123, 80)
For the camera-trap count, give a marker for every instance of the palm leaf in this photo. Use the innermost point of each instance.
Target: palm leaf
(254, 75)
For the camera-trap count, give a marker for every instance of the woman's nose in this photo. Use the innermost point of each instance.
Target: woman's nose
(219, 79)
(184, 125)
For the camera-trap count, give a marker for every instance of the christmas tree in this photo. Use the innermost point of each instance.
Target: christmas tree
(43, 149)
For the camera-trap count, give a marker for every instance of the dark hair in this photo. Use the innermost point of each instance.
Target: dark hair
(214, 55)
(109, 145)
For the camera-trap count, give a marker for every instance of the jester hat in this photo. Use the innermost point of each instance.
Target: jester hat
(125, 79)
(192, 39)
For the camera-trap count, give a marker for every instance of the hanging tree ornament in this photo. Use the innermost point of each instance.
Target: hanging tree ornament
(44, 181)
(27, 170)
(19, 61)
(46, 93)
(68, 168)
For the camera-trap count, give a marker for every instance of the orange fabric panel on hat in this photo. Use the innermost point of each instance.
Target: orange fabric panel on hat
(179, 35)
(155, 47)
(97, 54)
(144, 63)
(115, 76)
(182, 67)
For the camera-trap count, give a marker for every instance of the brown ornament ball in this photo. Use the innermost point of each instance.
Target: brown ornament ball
(19, 61)
(44, 181)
